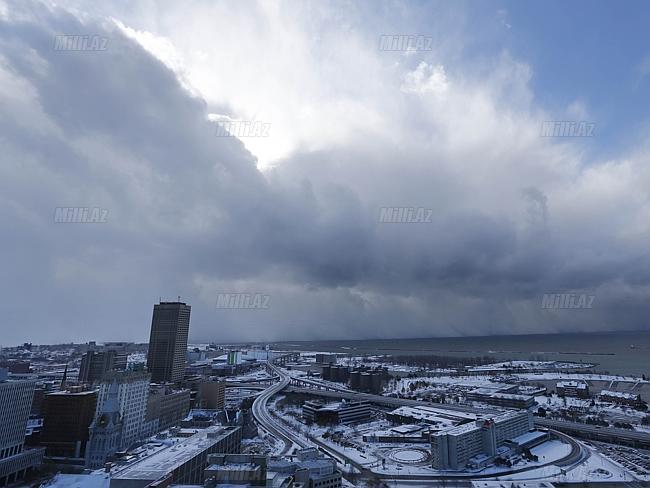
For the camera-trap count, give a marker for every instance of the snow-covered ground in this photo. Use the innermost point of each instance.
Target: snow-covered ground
(518, 364)
(579, 376)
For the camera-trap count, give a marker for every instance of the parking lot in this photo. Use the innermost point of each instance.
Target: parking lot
(636, 460)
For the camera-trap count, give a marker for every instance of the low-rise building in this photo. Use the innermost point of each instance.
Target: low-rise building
(578, 389)
(343, 412)
(509, 400)
(621, 398)
(311, 470)
(437, 418)
(183, 462)
(236, 469)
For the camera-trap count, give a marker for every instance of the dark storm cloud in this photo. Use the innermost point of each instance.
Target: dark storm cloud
(189, 214)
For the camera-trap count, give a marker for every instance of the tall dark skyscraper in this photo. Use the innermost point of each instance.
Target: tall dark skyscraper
(168, 341)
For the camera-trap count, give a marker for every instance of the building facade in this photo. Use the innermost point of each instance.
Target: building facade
(105, 432)
(456, 448)
(212, 395)
(95, 364)
(344, 412)
(167, 405)
(15, 404)
(170, 327)
(578, 389)
(67, 417)
(132, 395)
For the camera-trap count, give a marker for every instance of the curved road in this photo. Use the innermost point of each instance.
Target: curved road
(266, 421)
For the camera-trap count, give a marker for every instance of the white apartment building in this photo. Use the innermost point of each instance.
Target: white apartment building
(453, 448)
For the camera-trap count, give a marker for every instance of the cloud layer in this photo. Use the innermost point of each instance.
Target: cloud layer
(513, 215)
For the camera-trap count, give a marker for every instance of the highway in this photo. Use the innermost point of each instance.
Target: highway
(596, 432)
(391, 401)
(266, 420)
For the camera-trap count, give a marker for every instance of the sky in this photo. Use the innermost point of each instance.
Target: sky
(291, 215)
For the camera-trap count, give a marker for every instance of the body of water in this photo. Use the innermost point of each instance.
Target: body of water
(626, 353)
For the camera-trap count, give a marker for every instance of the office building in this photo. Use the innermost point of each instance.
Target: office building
(475, 444)
(132, 394)
(15, 404)
(67, 415)
(95, 364)
(212, 395)
(170, 326)
(167, 405)
(343, 412)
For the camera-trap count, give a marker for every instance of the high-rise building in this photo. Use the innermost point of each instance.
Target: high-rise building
(95, 364)
(132, 394)
(170, 326)
(66, 417)
(15, 404)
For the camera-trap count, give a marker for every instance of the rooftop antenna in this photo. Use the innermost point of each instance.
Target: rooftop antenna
(179, 298)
